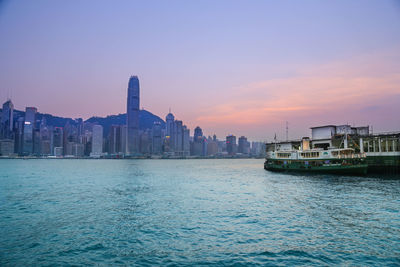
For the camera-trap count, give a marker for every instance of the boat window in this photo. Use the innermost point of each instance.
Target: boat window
(283, 155)
(310, 154)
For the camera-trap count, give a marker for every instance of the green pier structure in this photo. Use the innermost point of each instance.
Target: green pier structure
(382, 150)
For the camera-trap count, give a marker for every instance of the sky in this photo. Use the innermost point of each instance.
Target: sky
(230, 67)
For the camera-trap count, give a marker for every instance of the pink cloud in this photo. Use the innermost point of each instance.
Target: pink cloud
(314, 93)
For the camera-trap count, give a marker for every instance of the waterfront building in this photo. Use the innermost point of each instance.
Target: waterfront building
(114, 140)
(212, 147)
(58, 140)
(243, 145)
(204, 143)
(257, 149)
(179, 137)
(80, 126)
(199, 144)
(97, 141)
(166, 144)
(196, 148)
(30, 115)
(221, 146)
(70, 136)
(198, 132)
(6, 123)
(6, 147)
(124, 133)
(66, 137)
(29, 127)
(87, 141)
(78, 150)
(231, 144)
(145, 142)
(68, 149)
(170, 131)
(58, 152)
(382, 150)
(19, 134)
(132, 112)
(324, 136)
(46, 138)
(156, 138)
(45, 148)
(36, 141)
(186, 141)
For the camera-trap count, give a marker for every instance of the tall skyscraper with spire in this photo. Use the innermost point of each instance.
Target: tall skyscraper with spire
(133, 116)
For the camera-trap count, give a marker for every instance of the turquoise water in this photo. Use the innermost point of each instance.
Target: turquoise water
(192, 212)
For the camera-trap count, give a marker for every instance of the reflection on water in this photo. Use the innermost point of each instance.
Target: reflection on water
(192, 212)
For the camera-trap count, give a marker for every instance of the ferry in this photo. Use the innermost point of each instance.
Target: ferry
(317, 160)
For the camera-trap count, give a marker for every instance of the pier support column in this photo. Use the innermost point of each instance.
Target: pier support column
(361, 145)
(379, 145)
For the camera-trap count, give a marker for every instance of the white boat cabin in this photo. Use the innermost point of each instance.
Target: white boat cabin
(336, 153)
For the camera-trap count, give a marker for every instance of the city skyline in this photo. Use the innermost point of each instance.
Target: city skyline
(248, 75)
(29, 134)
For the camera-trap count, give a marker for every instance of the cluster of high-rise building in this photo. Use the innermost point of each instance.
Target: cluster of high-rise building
(28, 135)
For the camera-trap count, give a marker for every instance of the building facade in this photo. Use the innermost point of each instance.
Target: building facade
(6, 123)
(29, 128)
(132, 112)
(231, 144)
(97, 141)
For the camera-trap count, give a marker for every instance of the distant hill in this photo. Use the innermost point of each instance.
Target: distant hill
(50, 119)
(146, 120)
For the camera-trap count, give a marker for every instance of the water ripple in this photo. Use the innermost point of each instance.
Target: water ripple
(192, 212)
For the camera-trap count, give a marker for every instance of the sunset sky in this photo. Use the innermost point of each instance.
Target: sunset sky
(231, 67)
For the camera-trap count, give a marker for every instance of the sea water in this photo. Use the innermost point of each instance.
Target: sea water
(192, 212)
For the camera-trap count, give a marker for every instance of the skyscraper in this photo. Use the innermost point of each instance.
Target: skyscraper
(7, 120)
(197, 133)
(124, 132)
(231, 144)
(132, 111)
(198, 142)
(244, 145)
(170, 131)
(114, 142)
(179, 137)
(58, 141)
(29, 127)
(156, 138)
(186, 141)
(97, 141)
(19, 135)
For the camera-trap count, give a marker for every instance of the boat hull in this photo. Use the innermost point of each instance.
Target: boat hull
(356, 169)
